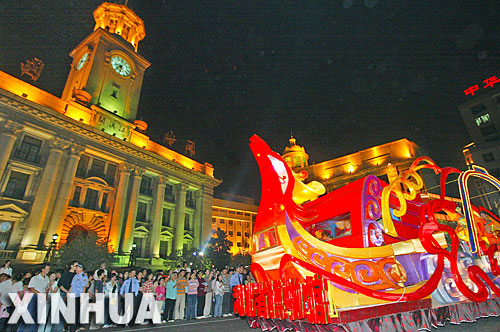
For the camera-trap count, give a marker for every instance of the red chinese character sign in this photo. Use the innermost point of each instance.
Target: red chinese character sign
(366, 243)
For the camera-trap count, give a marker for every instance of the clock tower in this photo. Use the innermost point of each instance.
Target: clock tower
(107, 72)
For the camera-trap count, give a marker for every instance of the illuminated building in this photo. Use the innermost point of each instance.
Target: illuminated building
(385, 161)
(235, 215)
(482, 119)
(83, 164)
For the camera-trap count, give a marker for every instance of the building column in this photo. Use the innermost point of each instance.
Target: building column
(63, 195)
(157, 218)
(206, 215)
(198, 242)
(44, 193)
(115, 227)
(8, 137)
(180, 214)
(128, 236)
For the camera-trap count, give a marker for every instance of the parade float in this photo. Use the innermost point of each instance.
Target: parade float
(369, 256)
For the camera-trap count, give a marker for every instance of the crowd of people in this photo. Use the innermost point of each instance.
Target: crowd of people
(181, 293)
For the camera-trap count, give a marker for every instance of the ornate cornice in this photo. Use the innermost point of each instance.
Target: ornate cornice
(58, 144)
(10, 127)
(58, 120)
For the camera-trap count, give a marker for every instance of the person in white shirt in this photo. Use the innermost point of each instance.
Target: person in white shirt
(38, 284)
(103, 267)
(11, 285)
(6, 269)
(219, 293)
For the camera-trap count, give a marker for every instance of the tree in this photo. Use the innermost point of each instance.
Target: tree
(191, 256)
(89, 250)
(218, 249)
(244, 259)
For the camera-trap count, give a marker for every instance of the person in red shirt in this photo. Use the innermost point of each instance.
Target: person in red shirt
(201, 294)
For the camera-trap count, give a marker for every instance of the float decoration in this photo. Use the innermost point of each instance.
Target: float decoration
(366, 243)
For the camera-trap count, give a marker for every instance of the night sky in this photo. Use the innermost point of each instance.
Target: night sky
(340, 75)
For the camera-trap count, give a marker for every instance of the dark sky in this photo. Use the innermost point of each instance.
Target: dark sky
(341, 75)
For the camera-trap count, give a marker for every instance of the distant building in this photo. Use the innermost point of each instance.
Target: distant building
(82, 163)
(235, 215)
(386, 161)
(481, 115)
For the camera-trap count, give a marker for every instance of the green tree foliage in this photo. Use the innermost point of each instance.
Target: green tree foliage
(244, 259)
(87, 249)
(191, 256)
(218, 249)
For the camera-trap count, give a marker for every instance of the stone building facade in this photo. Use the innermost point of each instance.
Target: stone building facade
(83, 164)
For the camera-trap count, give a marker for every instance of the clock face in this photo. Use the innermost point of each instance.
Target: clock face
(120, 65)
(5, 226)
(82, 61)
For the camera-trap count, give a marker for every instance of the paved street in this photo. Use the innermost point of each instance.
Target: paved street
(233, 324)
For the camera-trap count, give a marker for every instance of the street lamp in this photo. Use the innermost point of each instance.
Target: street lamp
(52, 248)
(133, 255)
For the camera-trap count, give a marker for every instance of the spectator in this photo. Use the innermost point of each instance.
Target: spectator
(226, 301)
(236, 279)
(192, 296)
(131, 286)
(6, 268)
(186, 267)
(97, 289)
(103, 267)
(78, 286)
(171, 296)
(160, 295)
(11, 285)
(201, 294)
(219, 295)
(180, 302)
(209, 293)
(66, 279)
(111, 287)
(37, 284)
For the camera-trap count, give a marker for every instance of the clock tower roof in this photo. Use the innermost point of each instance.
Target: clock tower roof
(120, 20)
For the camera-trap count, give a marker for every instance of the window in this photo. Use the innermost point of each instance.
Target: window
(81, 172)
(169, 193)
(187, 222)
(238, 244)
(488, 157)
(483, 119)
(165, 221)
(141, 211)
(104, 201)
(230, 223)
(247, 234)
(163, 249)
(214, 220)
(239, 213)
(478, 109)
(110, 174)
(29, 150)
(189, 199)
(488, 130)
(16, 187)
(222, 221)
(230, 233)
(97, 168)
(146, 186)
(91, 198)
(238, 233)
(76, 197)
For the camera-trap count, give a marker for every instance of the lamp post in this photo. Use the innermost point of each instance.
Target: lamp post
(52, 248)
(133, 255)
